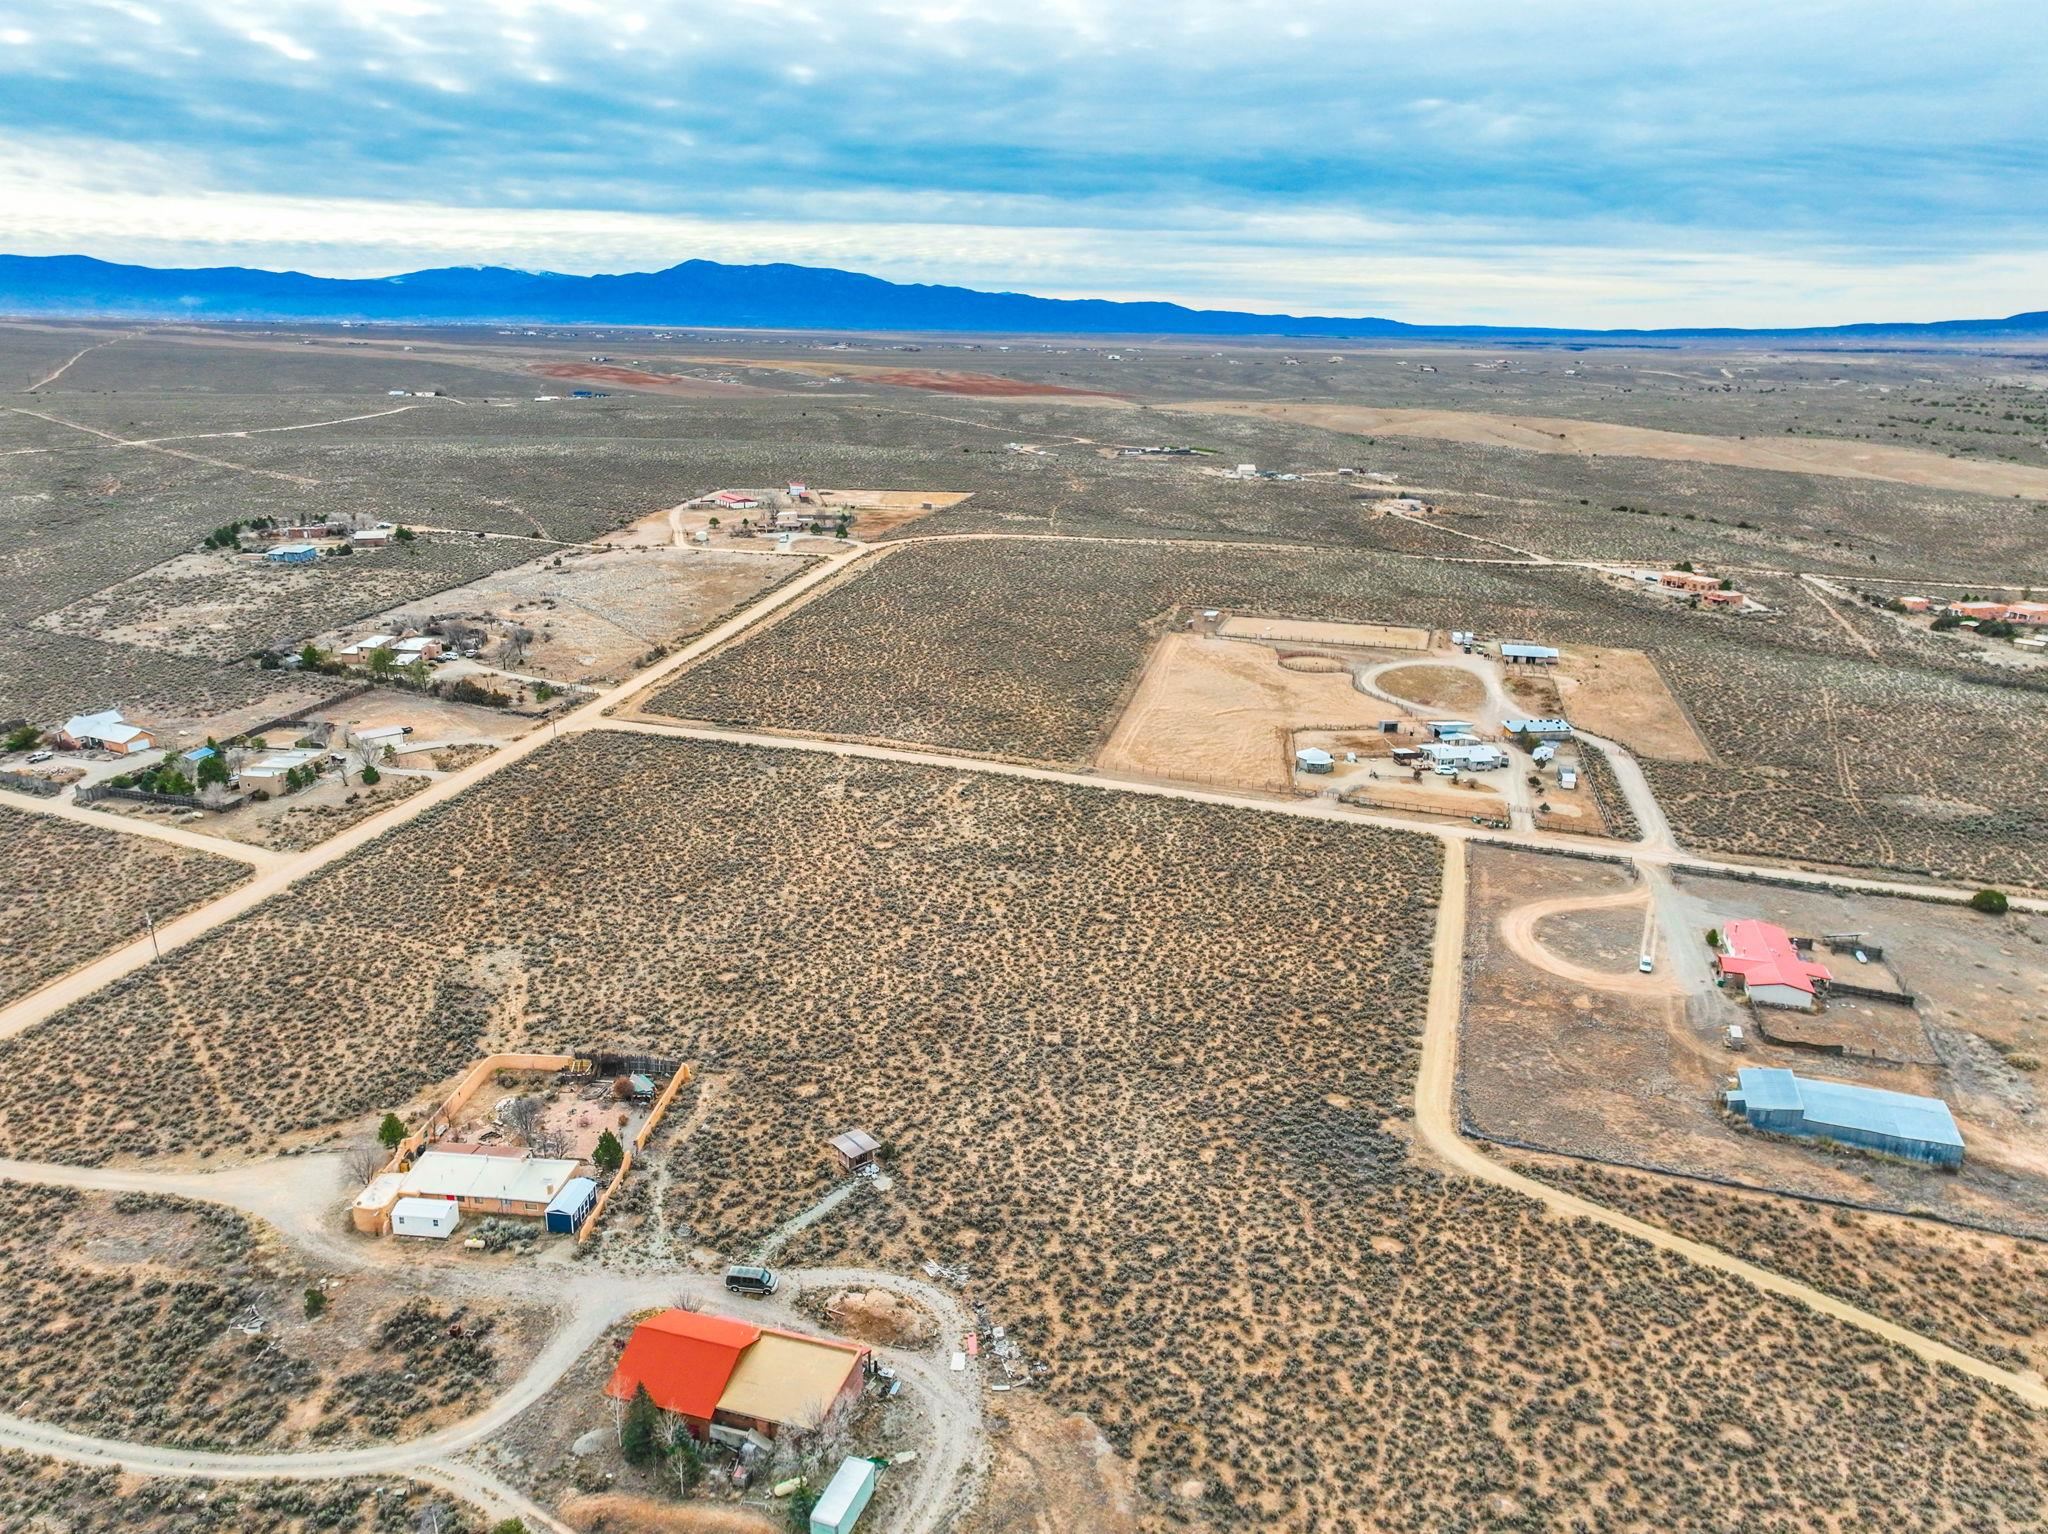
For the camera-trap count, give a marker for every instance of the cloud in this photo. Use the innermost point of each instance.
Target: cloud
(1585, 160)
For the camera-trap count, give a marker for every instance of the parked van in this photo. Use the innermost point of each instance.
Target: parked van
(1645, 965)
(750, 1280)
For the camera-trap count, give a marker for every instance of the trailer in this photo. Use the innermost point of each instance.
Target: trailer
(844, 1498)
(435, 1219)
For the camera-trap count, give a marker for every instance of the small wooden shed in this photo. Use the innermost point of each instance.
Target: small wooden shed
(853, 1150)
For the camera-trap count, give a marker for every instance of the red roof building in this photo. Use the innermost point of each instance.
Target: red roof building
(1771, 970)
(712, 1369)
(1982, 612)
(684, 1359)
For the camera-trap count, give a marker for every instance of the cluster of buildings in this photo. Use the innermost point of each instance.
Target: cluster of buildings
(403, 649)
(2026, 614)
(431, 1197)
(293, 545)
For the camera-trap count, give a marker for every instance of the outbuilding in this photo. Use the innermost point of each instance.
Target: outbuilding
(1518, 653)
(571, 1207)
(292, 554)
(844, 1498)
(1870, 1118)
(853, 1150)
(1444, 729)
(1313, 759)
(433, 1218)
(1540, 729)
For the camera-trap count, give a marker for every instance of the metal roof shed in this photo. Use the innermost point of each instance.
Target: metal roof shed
(844, 1498)
(571, 1207)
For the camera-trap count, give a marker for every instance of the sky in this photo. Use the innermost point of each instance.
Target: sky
(1659, 162)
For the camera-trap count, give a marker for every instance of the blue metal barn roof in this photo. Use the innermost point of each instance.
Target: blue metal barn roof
(1842, 1105)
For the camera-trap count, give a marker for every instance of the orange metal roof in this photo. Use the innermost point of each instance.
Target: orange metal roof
(684, 1359)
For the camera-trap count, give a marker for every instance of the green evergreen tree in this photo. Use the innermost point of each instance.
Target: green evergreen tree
(609, 1155)
(640, 1437)
(391, 1131)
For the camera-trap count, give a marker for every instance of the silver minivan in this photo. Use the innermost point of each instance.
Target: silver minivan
(743, 1279)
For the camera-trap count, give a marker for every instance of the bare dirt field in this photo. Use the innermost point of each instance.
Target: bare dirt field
(1621, 694)
(635, 378)
(1225, 711)
(72, 892)
(1375, 636)
(1614, 1066)
(1556, 434)
(1444, 687)
(594, 613)
(1152, 1096)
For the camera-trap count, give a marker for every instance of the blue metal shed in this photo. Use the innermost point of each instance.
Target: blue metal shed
(571, 1207)
(1870, 1118)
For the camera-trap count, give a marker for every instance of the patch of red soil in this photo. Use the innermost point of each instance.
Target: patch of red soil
(986, 385)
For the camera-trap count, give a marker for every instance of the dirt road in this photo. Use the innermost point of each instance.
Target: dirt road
(1436, 1122)
(1518, 931)
(63, 808)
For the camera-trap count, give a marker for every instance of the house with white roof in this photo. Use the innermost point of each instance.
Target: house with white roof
(105, 731)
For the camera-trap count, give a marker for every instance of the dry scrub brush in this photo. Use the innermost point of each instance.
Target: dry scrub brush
(129, 1316)
(71, 892)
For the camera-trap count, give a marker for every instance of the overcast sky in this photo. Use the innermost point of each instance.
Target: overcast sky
(1542, 161)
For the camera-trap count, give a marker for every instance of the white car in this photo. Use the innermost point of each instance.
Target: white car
(35, 757)
(1645, 965)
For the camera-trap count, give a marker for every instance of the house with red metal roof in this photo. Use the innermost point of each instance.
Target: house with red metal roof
(1772, 971)
(717, 1373)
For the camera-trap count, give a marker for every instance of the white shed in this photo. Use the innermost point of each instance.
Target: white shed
(1313, 759)
(844, 1498)
(434, 1218)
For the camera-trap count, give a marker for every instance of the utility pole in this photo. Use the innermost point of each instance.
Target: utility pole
(153, 943)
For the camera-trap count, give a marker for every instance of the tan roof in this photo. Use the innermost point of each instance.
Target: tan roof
(789, 1379)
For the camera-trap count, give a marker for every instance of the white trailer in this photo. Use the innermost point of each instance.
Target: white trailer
(432, 1218)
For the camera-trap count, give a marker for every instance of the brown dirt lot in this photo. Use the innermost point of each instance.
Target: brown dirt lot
(1372, 636)
(635, 378)
(1223, 711)
(1621, 694)
(1554, 434)
(594, 613)
(1443, 687)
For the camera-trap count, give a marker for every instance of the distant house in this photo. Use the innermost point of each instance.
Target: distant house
(727, 1378)
(1688, 581)
(732, 500)
(1733, 600)
(2033, 614)
(358, 652)
(372, 537)
(418, 647)
(105, 731)
(1772, 971)
(292, 554)
(1979, 612)
(1893, 1123)
(1916, 604)
(1542, 729)
(1518, 653)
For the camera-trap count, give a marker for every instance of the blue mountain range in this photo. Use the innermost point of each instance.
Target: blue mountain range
(709, 294)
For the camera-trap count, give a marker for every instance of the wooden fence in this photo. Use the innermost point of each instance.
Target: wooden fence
(683, 1073)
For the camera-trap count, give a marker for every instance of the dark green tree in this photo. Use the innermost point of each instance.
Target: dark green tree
(1990, 902)
(640, 1436)
(609, 1155)
(391, 1131)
